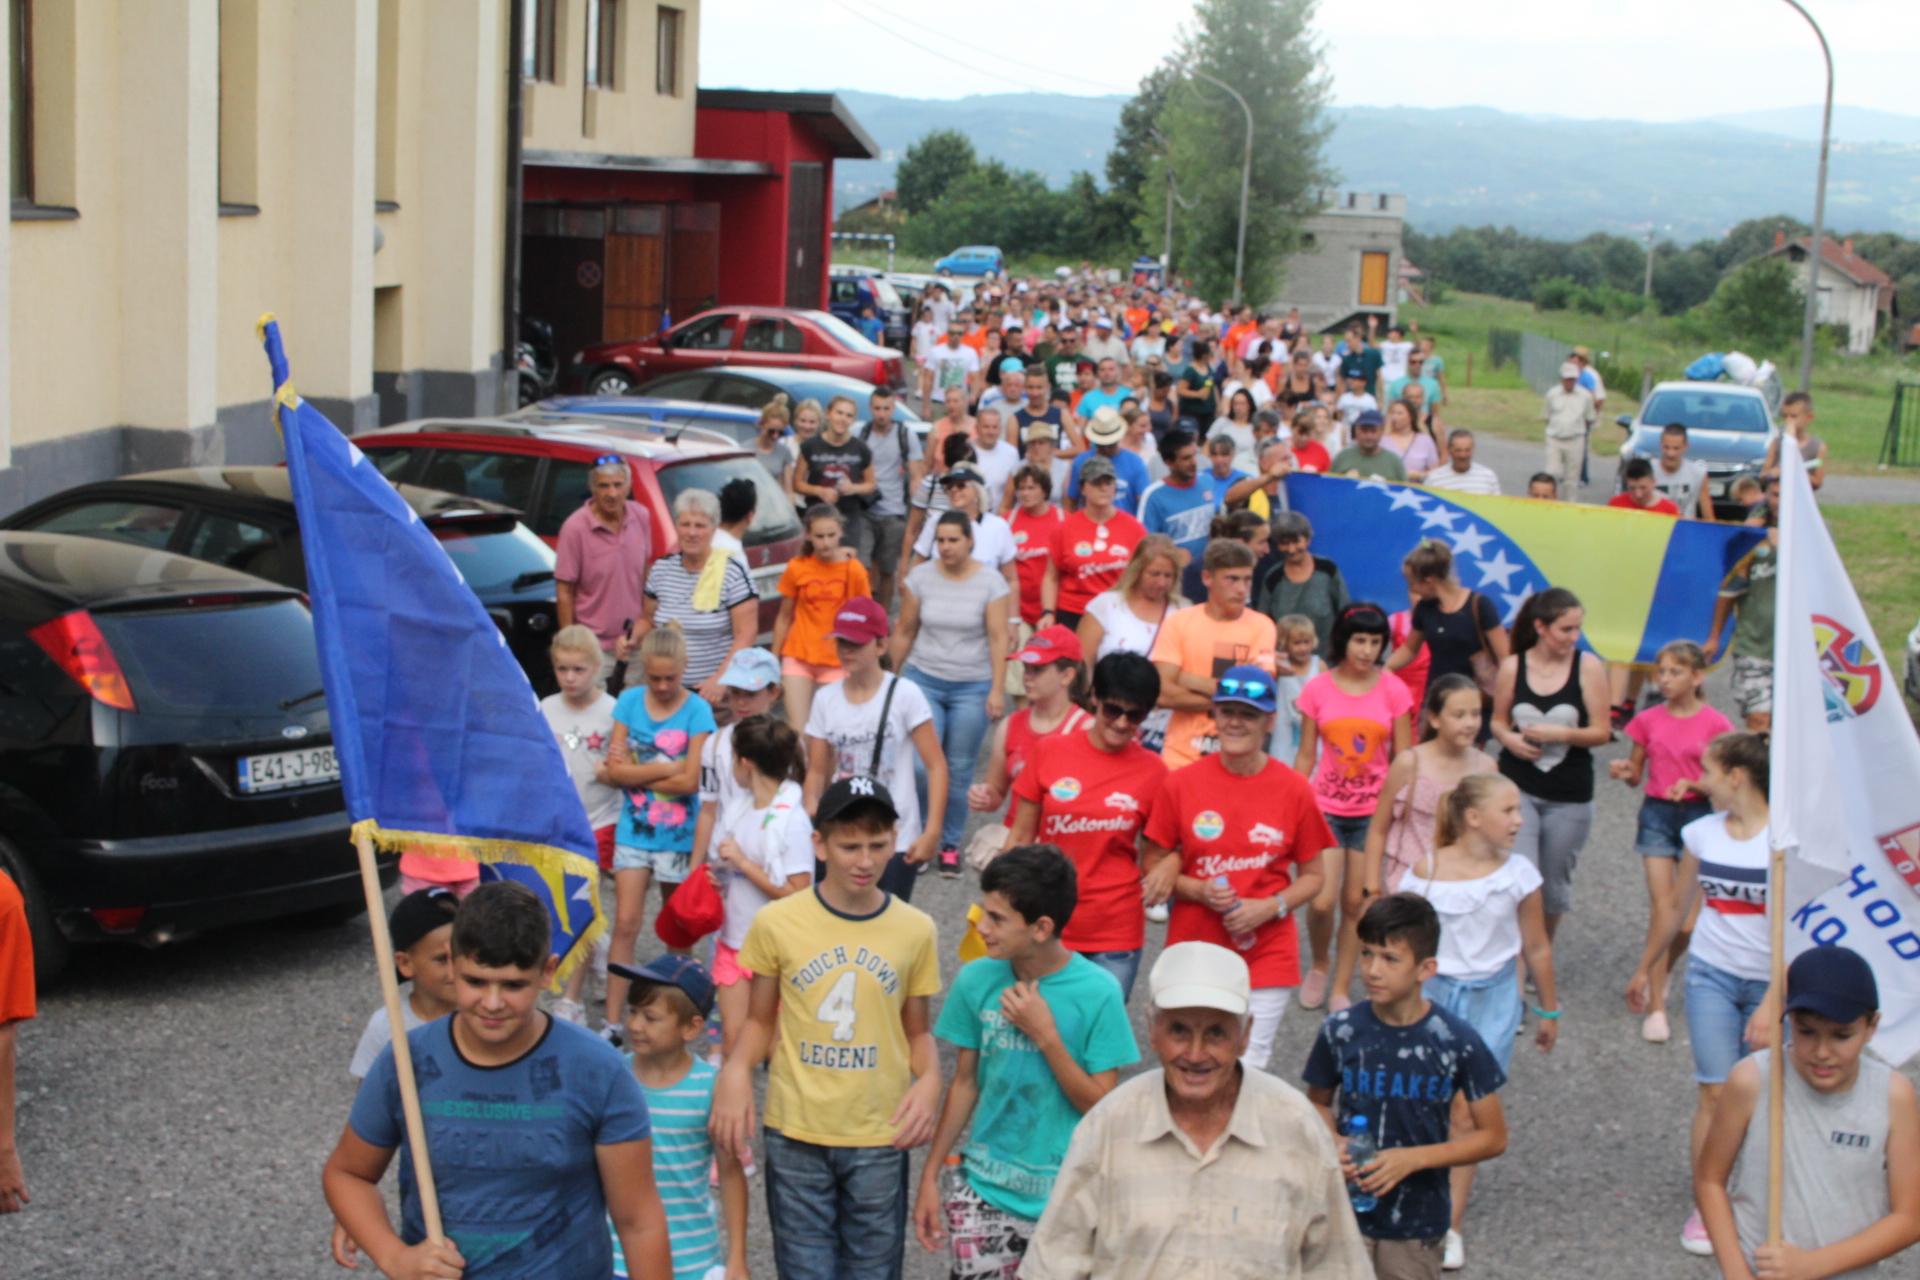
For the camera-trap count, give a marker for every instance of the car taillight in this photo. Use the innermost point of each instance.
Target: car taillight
(882, 373)
(74, 642)
(118, 919)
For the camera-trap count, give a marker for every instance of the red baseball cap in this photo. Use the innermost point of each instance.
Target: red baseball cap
(1051, 644)
(861, 620)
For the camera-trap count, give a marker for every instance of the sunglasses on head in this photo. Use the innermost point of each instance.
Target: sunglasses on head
(1245, 688)
(609, 460)
(1124, 714)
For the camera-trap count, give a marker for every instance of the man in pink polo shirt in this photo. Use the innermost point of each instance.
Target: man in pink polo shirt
(601, 564)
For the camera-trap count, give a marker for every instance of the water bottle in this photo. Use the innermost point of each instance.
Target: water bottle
(1244, 941)
(1360, 1153)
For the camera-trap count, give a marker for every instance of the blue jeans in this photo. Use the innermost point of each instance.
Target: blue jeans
(1718, 1007)
(837, 1213)
(1490, 1006)
(1124, 965)
(960, 722)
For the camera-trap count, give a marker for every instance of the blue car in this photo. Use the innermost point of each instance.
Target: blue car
(972, 260)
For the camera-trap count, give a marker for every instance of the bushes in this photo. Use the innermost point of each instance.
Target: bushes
(1562, 293)
(1555, 293)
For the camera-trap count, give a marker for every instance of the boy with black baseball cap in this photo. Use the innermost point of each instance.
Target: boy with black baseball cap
(1852, 1139)
(422, 928)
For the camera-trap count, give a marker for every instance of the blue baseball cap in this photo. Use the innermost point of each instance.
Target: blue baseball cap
(671, 970)
(1246, 684)
(752, 670)
(1013, 364)
(1833, 982)
(1368, 418)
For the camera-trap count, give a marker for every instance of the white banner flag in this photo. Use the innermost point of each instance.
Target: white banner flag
(1845, 785)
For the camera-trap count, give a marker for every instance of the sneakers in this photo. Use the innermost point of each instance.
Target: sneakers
(1622, 713)
(949, 860)
(1694, 1238)
(569, 1011)
(1158, 913)
(1655, 1029)
(1313, 992)
(1453, 1254)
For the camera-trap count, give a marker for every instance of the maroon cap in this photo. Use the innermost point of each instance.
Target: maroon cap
(860, 620)
(1051, 644)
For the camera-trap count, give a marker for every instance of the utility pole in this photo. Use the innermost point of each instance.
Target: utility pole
(1819, 212)
(1646, 288)
(1246, 182)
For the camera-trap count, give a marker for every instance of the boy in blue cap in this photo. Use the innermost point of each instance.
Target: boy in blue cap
(1852, 1139)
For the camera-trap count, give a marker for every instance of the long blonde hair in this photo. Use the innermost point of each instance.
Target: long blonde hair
(1152, 547)
(1471, 792)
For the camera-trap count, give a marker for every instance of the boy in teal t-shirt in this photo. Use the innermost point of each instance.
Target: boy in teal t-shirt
(1042, 1034)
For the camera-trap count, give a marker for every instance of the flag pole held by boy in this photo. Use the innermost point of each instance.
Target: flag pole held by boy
(1845, 792)
(442, 747)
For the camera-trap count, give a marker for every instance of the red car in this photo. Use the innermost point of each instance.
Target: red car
(783, 337)
(539, 468)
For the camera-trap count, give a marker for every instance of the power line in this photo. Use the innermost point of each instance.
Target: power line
(938, 53)
(995, 53)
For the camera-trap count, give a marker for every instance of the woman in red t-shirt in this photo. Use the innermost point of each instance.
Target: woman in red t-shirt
(1089, 549)
(1089, 793)
(1235, 838)
(1309, 454)
(1056, 682)
(1033, 520)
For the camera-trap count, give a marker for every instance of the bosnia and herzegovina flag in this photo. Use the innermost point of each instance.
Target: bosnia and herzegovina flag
(442, 747)
(1643, 579)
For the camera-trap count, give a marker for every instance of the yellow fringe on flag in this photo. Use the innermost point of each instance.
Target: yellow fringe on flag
(552, 863)
(972, 945)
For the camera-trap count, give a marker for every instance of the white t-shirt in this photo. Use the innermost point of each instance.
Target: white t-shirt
(1479, 919)
(1242, 437)
(583, 734)
(717, 784)
(926, 336)
(996, 466)
(1393, 360)
(1146, 347)
(1731, 934)
(1250, 347)
(941, 311)
(778, 839)
(1350, 406)
(1120, 630)
(378, 1035)
(1477, 478)
(1329, 366)
(951, 365)
(993, 544)
(1683, 486)
(850, 730)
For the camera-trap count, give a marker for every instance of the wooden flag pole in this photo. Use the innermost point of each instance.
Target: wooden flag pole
(1777, 1066)
(396, 1020)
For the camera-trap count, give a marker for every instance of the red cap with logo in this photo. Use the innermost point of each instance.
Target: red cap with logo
(1051, 644)
(861, 620)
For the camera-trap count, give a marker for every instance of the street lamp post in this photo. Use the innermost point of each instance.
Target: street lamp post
(1246, 179)
(1819, 211)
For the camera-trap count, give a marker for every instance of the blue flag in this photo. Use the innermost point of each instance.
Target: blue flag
(442, 747)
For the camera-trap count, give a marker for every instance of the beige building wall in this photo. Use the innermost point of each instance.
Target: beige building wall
(199, 162)
(565, 114)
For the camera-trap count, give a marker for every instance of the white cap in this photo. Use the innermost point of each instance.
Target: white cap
(1200, 975)
(1569, 370)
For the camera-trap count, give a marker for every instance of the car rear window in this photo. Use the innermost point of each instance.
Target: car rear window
(773, 518)
(1705, 411)
(266, 661)
(493, 555)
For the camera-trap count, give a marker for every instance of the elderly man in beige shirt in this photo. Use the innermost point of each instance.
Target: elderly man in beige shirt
(1201, 1170)
(1570, 415)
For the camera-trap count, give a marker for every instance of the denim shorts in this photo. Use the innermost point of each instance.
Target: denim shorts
(837, 1213)
(1718, 1007)
(1123, 965)
(1490, 1006)
(669, 866)
(1658, 833)
(1350, 833)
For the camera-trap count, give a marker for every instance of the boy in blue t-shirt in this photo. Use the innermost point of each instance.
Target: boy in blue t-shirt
(1042, 1034)
(668, 1003)
(1406, 1065)
(537, 1130)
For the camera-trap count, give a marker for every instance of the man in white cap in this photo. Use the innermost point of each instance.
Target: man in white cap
(1570, 415)
(1106, 430)
(1103, 345)
(1203, 1167)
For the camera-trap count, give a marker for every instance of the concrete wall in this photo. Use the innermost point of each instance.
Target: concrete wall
(221, 158)
(1323, 278)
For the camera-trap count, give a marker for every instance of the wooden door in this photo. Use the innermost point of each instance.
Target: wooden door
(806, 227)
(636, 273)
(1373, 279)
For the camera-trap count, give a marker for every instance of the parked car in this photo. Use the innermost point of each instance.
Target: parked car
(972, 260)
(752, 388)
(912, 287)
(850, 289)
(778, 337)
(243, 518)
(1728, 429)
(742, 424)
(539, 467)
(1913, 670)
(166, 761)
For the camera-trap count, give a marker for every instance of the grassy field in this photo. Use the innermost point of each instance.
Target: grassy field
(1852, 395)
(1875, 541)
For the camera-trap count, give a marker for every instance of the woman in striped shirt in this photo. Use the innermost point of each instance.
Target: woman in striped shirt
(706, 591)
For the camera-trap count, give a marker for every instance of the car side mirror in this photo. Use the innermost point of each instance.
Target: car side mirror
(1625, 422)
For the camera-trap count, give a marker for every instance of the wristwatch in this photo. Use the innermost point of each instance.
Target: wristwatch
(1280, 907)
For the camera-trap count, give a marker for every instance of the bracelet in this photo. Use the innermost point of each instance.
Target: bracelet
(1551, 1015)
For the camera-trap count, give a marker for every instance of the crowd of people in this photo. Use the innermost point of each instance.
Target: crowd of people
(1085, 578)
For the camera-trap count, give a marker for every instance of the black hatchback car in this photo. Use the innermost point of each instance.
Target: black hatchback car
(166, 764)
(243, 518)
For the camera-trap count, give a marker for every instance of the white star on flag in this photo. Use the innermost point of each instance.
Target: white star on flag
(1499, 570)
(1405, 497)
(1514, 602)
(1471, 542)
(1372, 482)
(1440, 517)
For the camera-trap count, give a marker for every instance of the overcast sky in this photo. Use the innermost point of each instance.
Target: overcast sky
(1636, 59)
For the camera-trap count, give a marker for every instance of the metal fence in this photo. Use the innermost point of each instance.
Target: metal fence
(1902, 445)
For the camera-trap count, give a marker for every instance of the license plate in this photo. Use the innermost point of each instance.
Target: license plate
(308, 767)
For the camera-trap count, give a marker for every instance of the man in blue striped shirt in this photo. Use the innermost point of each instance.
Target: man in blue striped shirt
(668, 1003)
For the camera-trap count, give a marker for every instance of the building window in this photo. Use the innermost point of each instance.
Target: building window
(239, 129)
(20, 98)
(603, 44)
(666, 75)
(539, 40)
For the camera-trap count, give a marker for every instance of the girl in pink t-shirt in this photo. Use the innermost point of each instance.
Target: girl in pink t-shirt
(1354, 718)
(1669, 744)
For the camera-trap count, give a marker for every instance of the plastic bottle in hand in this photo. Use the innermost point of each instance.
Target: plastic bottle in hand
(1360, 1153)
(1244, 941)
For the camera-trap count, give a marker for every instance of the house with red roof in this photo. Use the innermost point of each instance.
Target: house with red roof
(1853, 292)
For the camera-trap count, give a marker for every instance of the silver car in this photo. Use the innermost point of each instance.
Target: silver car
(1728, 430)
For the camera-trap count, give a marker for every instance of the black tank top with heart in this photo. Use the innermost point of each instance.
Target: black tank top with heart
(1563, 774)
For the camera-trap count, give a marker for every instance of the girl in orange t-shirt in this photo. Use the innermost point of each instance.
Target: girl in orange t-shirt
(825, 575)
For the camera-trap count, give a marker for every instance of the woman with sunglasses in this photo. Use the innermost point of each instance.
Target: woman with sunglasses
(1090, 793)
(1235, 840)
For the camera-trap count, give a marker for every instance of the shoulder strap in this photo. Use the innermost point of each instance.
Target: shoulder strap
(1473, 608)
(880, 735)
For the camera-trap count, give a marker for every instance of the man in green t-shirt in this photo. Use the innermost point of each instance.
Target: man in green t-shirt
(1748, 596)
(1366, 456)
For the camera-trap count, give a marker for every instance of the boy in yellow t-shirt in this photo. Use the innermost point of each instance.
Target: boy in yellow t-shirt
(847, 971)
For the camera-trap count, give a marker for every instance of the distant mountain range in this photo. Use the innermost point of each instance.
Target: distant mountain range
(1467, 166)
